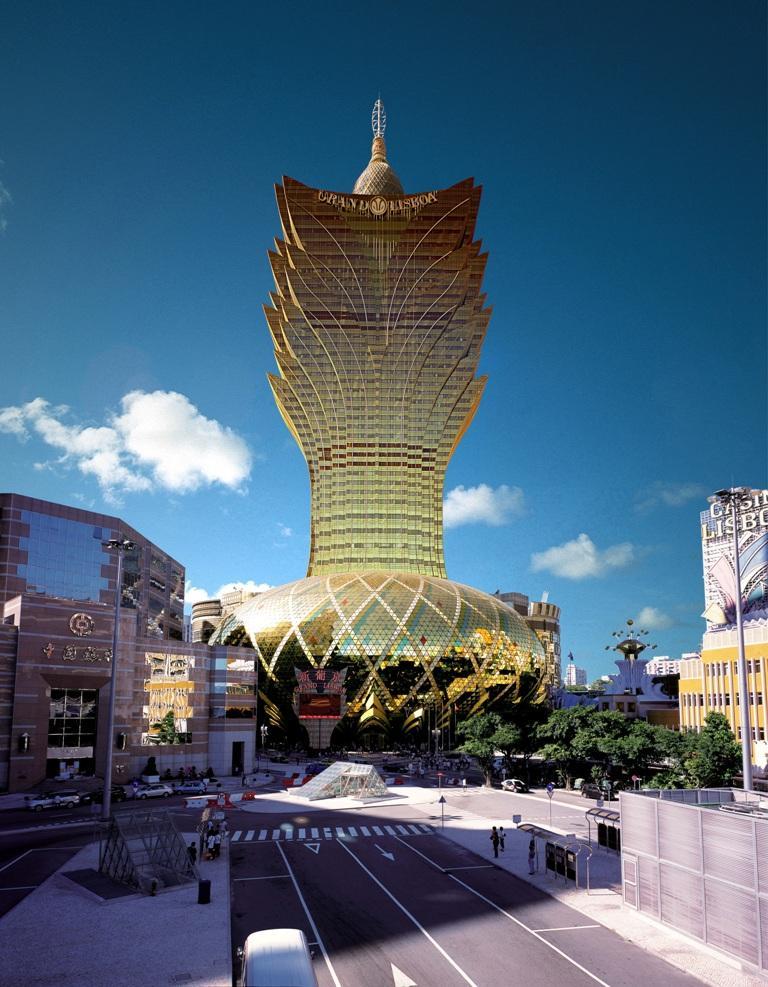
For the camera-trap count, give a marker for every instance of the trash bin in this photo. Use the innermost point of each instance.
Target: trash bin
(203, 892)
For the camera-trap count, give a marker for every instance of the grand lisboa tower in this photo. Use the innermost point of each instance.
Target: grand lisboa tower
(377, 320)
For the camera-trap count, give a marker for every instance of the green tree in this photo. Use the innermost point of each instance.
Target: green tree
(166, 729)
(713, 756)
(479, 734)
(565, 737)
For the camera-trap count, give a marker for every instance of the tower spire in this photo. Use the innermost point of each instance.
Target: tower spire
(378, 178)
(378, 118)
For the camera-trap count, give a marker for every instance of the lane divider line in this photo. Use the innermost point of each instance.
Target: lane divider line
(307, 912)
(268, 877)
(512, 918)
(568, 928)
(419, 926)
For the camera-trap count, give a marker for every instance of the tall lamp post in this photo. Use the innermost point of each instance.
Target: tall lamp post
(264, 730)
(731, 498)
(121, 546)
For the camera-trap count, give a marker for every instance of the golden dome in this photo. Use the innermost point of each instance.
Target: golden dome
(378, 178)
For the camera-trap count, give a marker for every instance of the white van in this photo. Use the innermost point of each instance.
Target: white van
(277, 958)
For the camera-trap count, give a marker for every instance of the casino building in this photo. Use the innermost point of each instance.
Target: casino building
(184, 704)
(709, 681)
(377, 320)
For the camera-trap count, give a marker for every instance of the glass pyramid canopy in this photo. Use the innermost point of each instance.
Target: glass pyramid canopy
(343, 779)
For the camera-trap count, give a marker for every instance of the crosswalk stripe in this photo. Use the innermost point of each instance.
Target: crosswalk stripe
(289, 832)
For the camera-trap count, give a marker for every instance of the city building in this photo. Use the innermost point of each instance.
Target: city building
(575, 676)
(542, 617)
(377, 321)
(633, 690)
(709, 681)
(664, 665)
(185, 704)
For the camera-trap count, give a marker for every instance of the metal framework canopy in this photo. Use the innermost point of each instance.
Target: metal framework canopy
(345, 780)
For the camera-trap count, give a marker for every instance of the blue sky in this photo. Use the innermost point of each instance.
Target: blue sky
(622, 150)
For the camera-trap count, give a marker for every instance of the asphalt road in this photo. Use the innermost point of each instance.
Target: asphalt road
(388, 902)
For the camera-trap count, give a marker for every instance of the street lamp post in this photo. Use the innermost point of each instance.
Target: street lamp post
(264, 730)
(731, 498)
(121, 546)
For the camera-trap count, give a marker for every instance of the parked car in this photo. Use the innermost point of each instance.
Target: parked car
(591, 791)
(191, 787)
(37, 801)
(514, 785)
(155, 791)
(118, 795)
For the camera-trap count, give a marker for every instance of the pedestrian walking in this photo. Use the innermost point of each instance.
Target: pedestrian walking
(532, 857)
(495, 841)
(501, 838)
(211, 845)
(216, 844)
(192, 851)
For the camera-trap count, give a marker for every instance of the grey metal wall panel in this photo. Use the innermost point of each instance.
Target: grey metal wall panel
(728, 848)
(682, 899)
(731, 920)
(679, 835)
(638, 824)
(648, 886)
(761, 849)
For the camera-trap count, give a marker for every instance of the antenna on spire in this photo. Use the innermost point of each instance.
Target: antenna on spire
(378, 119)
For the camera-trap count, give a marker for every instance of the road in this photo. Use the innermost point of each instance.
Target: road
(388, 901)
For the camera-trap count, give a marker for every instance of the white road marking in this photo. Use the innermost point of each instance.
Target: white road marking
(315, 834)
(339, 831)
(327, 834)
(365, 831)
(289, 833)
(352, 830)
(262, 834)
(401, 979)
(302, 834)
(275, 834)
(567, 928)
(378, 831)
(385, 853)
(23, 887)
(512, 918)
(15, 860)
(415, 921)
(269, 877)
(414, 829)
(249, 835)
(390, 831)
(403, 830)
(309, 916)
(236, 835)
(314, 847)
(468, 867)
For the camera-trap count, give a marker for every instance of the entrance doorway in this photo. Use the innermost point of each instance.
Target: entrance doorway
(238, 756)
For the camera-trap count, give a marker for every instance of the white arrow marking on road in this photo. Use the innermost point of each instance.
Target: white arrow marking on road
(384, 853)
(401, 979)
(314, 847)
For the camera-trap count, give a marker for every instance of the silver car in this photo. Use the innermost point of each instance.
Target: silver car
(155, 791)
(37, 801)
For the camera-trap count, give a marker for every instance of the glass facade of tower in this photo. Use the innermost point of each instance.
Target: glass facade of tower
(377, 322)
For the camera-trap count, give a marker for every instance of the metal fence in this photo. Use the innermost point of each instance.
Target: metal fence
(697, 860)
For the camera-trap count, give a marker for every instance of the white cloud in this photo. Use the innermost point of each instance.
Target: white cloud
(482, 505)
(653, 619)
(284, 530)
(196, 594)
(160, 440)
(664, 494)
(581, 559)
